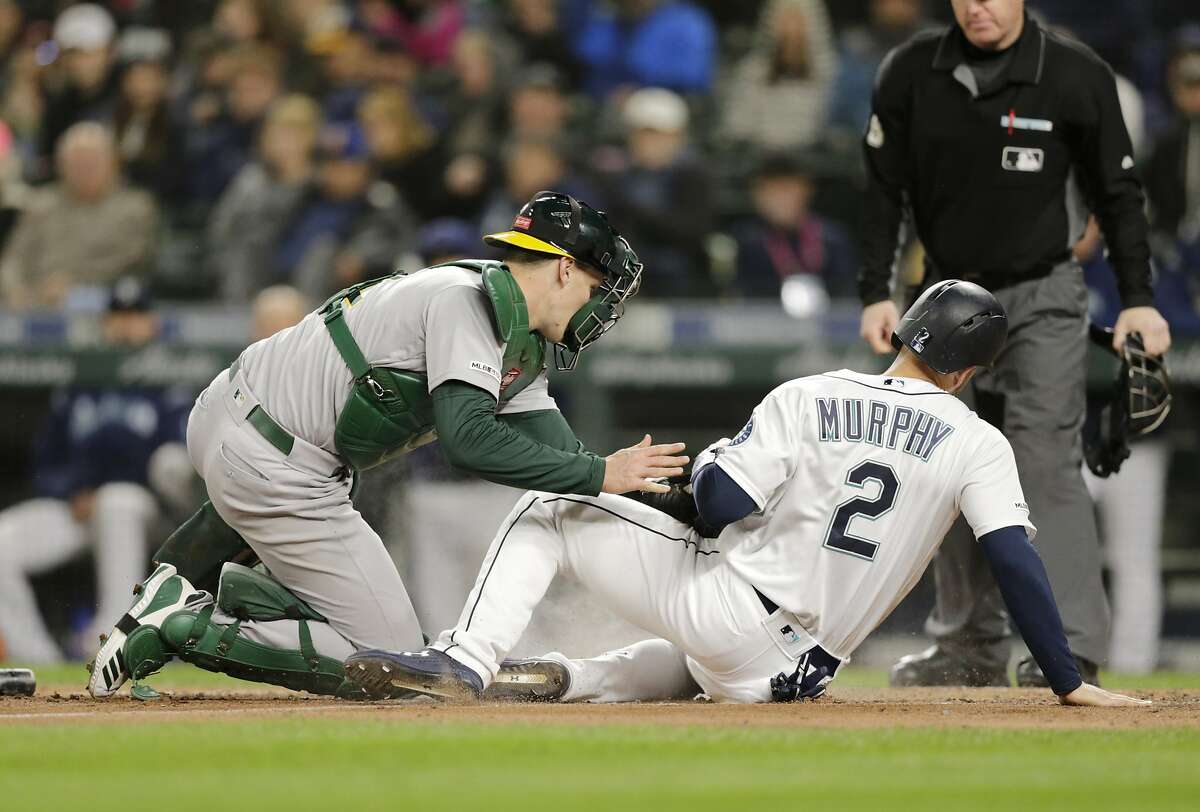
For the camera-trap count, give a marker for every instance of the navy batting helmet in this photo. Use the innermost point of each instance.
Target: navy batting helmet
(954, 325)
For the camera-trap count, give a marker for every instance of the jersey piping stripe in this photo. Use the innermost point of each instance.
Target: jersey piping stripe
(884, 388)
(499, 549)
(631, 521)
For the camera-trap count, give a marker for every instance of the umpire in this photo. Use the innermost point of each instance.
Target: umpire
(1000, 138)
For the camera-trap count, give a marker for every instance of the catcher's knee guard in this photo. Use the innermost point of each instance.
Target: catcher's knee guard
(248, 595)
(201, 546)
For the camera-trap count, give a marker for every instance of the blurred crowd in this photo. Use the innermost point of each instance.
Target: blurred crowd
(220, 147)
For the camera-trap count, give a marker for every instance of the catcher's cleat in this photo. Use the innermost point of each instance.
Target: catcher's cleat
(157, 597)
(937, 667)
(397, 675)
(532, 680)
(1029, 673)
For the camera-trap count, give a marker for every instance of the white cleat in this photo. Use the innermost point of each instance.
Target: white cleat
(158, 596)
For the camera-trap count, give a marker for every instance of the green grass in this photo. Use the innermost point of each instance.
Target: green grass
(311, 763)
(182, 676)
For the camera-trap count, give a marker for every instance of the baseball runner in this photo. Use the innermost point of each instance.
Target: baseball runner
(834, 498)
(454, 351)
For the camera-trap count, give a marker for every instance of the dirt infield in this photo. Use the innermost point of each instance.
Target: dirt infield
(843, 708)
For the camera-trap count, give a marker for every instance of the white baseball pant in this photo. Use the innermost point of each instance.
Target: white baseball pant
(645, 567)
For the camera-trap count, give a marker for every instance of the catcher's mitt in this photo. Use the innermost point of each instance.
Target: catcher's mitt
(1137, 403)
(679, 504)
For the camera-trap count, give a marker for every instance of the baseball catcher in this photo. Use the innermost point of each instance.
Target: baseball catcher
(455, 352)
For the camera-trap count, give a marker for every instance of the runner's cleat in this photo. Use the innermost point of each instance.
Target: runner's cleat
(531, 680)
(396, 674)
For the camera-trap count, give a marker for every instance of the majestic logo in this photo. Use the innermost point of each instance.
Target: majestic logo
(918, 342)
(563, 218)
(521, 221)
(1022, 159)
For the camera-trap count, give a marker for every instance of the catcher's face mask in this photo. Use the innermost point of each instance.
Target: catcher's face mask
(1149, 387)
(622, 278)
(1137, 404)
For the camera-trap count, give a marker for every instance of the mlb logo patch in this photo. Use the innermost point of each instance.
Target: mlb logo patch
(521, 222)
(1022, 159)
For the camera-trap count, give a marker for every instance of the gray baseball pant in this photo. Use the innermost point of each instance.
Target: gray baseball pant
(1036, 394)
(295, 513)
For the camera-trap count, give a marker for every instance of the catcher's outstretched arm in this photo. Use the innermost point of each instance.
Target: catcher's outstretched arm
(475, 440)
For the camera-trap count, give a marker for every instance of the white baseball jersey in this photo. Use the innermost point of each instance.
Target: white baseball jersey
(857, 478)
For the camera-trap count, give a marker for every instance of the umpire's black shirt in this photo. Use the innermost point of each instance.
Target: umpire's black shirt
(1000, 178)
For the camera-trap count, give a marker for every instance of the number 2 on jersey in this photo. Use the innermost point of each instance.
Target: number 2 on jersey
(839, 536)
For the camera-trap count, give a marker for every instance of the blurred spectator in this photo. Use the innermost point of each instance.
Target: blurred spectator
(861, 49)
(100, 458)
(530, 165)
(780, 93)
(536, 27)
(13, 192)
(426, 29)
(87, 88)
(250, 21)
(784, 239)
(635, 43)
(475, 104)
(537, 107)
(146, 138)
(346, 229)
(1173, 170)
(447, 240)
(277, 308)
(22, 104)
(87, 229)
(221, 133)
(405, 154)
(659, 194)
(247, 221)
(346, 74)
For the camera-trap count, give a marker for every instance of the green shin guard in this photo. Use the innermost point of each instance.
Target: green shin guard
(248, 595)
(198, 640)
(201, 546)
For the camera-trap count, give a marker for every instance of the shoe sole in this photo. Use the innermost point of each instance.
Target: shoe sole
(529, 681)
(108, 669)
(385, 678)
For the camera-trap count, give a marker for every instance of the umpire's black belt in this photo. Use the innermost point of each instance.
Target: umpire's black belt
(997, 280)
(263, 423)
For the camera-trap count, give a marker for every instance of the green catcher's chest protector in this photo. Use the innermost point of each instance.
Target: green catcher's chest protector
(390, 411)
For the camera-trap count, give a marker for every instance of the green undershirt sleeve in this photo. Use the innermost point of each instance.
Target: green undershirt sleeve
(522, 450)
(546, 426)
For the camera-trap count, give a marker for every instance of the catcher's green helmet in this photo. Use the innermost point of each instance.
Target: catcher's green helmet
(559, 225)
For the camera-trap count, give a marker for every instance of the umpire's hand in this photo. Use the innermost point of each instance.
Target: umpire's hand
(1156, 335)
(878, 323)
(633, 468)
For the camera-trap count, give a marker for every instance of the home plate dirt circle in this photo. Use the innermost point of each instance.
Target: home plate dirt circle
(842, 708)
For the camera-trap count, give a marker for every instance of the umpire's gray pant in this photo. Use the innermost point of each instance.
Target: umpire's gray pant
(1036, 394)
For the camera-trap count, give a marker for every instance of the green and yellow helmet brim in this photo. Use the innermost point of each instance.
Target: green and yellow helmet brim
(529, 242)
